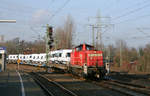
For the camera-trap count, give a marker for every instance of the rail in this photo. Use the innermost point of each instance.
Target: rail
(47, 84)
(125, 88)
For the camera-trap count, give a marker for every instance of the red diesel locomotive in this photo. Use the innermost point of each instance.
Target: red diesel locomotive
(87, 61)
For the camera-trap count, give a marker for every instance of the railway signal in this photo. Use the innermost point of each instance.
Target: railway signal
(50, 37)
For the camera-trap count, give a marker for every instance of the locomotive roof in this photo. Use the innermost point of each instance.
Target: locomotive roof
(82, 45)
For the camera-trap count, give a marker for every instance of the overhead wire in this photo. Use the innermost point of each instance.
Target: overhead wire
(137, 4)
(52, 1)
(140, 30)
(59, 9)
(133, 19)
(108, 6)
(131, 12)
(53, 15)
(15, 9)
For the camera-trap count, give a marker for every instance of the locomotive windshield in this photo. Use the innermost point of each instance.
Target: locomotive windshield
(79, 48)
(89, 47)
(86, 47)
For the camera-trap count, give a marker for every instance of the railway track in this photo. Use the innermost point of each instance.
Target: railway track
(51, 87)
(114, 85)
(124, 88)
(130, 84)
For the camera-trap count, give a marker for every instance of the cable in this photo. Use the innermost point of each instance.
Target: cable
(15, 6)
(137, 4)
(137, 18)
(52, 1)
(59, 9)
(15, 10)
(140, 30)
(108, 6)
(131, 12)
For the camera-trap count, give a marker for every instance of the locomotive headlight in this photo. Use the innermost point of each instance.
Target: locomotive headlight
(97, 75)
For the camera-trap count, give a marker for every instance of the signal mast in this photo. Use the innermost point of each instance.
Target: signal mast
(49, 44)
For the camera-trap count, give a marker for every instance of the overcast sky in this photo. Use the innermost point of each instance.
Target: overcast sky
(129, 18)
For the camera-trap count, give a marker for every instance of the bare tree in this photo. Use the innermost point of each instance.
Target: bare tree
(64, 35)
(69, 29)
